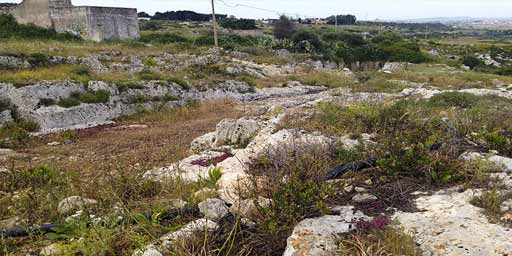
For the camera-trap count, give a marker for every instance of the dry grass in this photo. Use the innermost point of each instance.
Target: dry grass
(166, 140)
(386, 242)
(443, 77)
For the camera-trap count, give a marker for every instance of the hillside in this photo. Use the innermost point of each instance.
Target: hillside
(357, 140)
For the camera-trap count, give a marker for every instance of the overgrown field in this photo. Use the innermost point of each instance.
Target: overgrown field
(405, 143)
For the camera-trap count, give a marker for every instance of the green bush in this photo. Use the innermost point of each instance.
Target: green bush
(5, 104)
(147, 75)
(242, 24)
(283, 28)
(152, 25)
(89, 96)
(453, 99)
(163, 38)
(69, 102)
(9, 28)
(38, 60)
(304, 38)
(17, 132)
(472, 61)
(98, 96)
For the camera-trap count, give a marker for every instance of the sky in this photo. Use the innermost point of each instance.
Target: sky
(363, 9)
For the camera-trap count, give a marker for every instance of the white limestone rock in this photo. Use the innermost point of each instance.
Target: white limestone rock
(184, 169)
(317, 236)
(74, 203)
(5, 117)
(250, 208)
(447, 224)
(363, 198)
(199, 225)
(213, 209)
(503, 162)
(203, 143)
(237, 132)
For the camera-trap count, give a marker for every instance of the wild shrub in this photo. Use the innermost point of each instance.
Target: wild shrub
(472, 61)
(386, 241)
(69, 102)
(243, 24)
(17, 132)
(296, 185)
(162, 38)
(501, 142)
(147, 75)
(5, 104)
(454, 99)
(306, 41)
(9, 28)
(490, 201)
(88, 96)
(283, 28)
(151, 25)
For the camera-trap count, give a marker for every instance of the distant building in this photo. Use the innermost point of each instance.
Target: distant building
(89, 22)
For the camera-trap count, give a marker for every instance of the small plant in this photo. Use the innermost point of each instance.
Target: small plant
(491, 201)
(69, 135)
(379, 242)
(454, 99)
(69, 102)
(182, 83)
(88, 96)
(147, 75)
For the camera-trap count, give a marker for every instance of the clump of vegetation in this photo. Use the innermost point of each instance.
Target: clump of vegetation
(88, 96)
(379, 240)
(491, 201)
(472, 61)
(24, 77)
(283, 28)
(9, 28)
(162, 38)
(242, 24)
(17, 132)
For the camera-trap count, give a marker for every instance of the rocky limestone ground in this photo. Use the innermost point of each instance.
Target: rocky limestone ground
(444, 222)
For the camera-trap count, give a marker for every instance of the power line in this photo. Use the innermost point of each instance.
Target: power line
(261, 9)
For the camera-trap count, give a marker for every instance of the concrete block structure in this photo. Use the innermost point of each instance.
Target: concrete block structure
(89, 22)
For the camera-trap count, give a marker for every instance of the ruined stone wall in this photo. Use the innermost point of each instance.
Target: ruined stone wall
(106, 23)
(33, 12)
(73, 20)
(93, 23)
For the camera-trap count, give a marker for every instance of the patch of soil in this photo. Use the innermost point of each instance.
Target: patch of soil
(105, 148)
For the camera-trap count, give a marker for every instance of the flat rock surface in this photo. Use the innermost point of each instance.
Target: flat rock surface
(449, 225)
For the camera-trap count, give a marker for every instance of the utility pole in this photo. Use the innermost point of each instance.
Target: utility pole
(214, 20)
(426, 32)
(336, 23)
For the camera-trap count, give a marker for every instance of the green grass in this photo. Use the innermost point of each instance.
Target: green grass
(88, 96)
(31, 76)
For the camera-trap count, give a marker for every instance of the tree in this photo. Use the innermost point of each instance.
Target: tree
(472, 61)
(143, 15)
(283, 28)
(306, 41)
